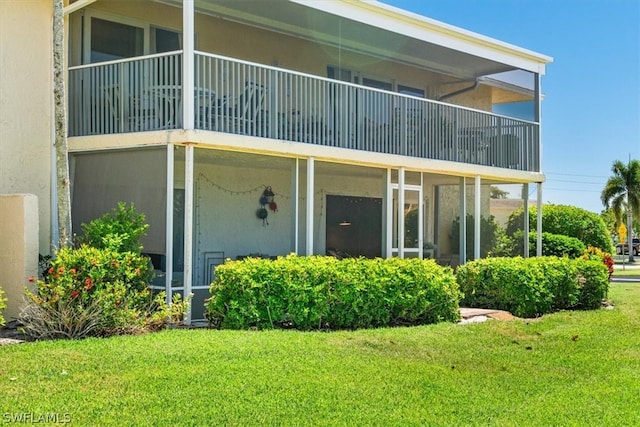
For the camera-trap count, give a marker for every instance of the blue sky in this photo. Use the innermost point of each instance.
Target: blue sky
(591, 110)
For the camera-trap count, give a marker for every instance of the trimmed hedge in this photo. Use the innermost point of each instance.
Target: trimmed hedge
(320, 292)
(533, 286)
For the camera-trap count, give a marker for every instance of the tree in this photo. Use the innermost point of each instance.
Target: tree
(622, 192)
(612, 224)
(497, 193)
(60, 119)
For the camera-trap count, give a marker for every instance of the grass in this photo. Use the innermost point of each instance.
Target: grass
(623, 268)
(569, 368)
(619, 271)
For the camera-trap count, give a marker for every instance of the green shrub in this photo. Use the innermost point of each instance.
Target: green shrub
(100, 288)
(570, 221)
(596, 254)
(489, 235)
(3, 305)
(594, 283)
(533, 286)
(552, 245)
(93, 292)
(326, 293)
(121, 230)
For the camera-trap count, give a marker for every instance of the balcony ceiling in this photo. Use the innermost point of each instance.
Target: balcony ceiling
(342, 26)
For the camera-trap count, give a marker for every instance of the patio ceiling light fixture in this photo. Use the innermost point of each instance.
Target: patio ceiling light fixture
(345, 223)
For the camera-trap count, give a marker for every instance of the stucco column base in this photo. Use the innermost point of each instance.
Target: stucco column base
(18, 248)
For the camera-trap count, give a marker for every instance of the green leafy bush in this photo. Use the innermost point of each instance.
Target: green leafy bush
(121, 230)
(530, 287)
(490, 234)
(102, 287)
(112, 285)
(599, 255)
(570, 221)
(3, 305)
(326, 293)
(594, 281)
(552, 245)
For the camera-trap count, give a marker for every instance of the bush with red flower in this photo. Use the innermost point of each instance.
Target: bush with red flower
(100, 289)
(594, 253)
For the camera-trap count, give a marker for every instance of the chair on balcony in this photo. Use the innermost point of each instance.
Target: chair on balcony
(166, 103)
(504, 151)
(117, 115)
(241, 114)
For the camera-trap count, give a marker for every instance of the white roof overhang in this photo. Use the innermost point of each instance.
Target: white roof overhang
(380, 30)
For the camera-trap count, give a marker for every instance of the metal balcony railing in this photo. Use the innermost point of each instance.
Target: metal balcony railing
(239, 97)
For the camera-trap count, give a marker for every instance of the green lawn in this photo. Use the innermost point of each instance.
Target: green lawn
(626, 272)
(569, 368)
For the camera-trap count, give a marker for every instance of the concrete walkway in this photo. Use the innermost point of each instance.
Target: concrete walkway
(477, 315)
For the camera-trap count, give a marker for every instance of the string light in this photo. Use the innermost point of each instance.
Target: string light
(202, 178)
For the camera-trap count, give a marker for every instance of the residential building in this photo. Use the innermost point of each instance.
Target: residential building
(356, 127)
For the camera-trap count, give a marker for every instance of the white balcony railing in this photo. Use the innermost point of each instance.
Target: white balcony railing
(231, 96)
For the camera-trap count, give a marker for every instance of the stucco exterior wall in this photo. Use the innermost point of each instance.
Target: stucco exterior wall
(226, 200)
(18, 248)
(26, 104)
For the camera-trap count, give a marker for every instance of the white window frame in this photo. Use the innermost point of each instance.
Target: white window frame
(144, 25)
(90, 13)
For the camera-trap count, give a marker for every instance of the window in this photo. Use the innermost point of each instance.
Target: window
(377, 84)
(163, 40)
(113, 40)
(108, 37)
(407, 90)
(337, 73)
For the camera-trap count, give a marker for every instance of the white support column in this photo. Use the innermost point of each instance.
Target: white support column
(539, 222)
(388, 217)
(188, 64)
(477, 219)
(538, 114)
(188, 224)
(169, 224)
(525, 219)
(401, 213)
(421, 218)
(462, 240)
(295, 196)
(310, 189)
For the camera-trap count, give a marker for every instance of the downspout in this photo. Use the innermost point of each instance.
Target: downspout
(458, 92)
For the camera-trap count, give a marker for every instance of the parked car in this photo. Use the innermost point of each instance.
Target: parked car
(624, 247)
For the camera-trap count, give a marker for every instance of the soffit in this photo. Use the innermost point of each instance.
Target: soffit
(379, 30)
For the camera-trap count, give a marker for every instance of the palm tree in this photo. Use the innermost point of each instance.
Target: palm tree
(622, 190)
(60, 138)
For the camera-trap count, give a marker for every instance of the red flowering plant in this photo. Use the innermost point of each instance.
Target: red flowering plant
(594, 253)
(115, 284)
(101, 287)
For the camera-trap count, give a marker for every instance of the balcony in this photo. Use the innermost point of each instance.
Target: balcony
(238, 97)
